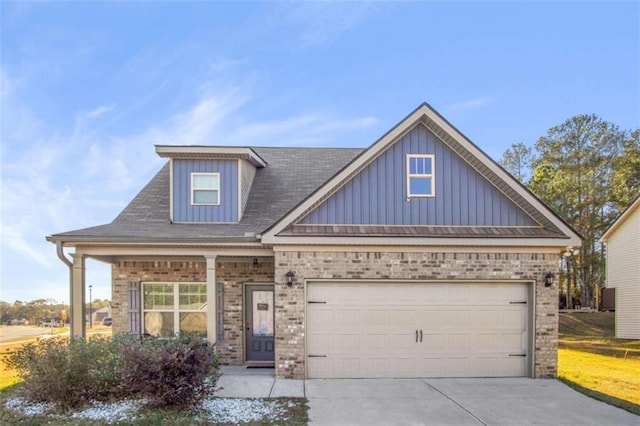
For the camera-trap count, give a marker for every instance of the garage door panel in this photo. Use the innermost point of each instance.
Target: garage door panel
(369, 330)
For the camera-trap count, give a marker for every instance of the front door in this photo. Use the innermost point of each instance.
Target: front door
(259, 321)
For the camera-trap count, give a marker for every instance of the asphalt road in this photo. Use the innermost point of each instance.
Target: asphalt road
(10, 332)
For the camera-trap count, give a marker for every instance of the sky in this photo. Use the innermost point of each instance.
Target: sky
(88, 88)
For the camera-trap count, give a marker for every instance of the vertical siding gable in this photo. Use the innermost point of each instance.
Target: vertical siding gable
(463, 197)
(183, 211)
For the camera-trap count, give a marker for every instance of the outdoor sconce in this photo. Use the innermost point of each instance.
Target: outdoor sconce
(548, 280)
(290, 276)
(255, 262)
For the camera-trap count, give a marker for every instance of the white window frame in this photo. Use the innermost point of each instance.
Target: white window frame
(431, 175)
(176, 302)
(194, 188)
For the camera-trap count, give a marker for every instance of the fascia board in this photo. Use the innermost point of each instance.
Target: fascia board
(183, 151)
(116, 251)
(620, 220)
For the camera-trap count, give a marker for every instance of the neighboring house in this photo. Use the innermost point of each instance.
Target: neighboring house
(416, 257)
(623, 270)
(98, 314)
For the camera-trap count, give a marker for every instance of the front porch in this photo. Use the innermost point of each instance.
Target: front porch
(220, 314)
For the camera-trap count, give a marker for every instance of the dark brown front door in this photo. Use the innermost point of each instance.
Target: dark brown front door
(259, 320)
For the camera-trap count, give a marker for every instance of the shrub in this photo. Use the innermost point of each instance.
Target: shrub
(69, 373)
(177, 372)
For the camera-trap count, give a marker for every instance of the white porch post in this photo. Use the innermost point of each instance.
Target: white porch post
(78, 327)
(212, 300)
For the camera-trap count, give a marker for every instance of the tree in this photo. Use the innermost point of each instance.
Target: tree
(588, 171)
(517, 160)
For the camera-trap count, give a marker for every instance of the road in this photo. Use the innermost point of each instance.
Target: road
(17, 331)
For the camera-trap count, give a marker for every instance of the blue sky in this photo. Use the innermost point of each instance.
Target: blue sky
(87, 89)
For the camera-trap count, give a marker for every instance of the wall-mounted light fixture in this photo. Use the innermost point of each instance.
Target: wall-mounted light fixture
(548, 279)
(255, 262)
(289, 278)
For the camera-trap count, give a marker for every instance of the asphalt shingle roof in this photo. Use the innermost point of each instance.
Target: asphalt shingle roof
(291, 175)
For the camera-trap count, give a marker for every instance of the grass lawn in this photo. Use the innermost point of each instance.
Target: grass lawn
(591, 360)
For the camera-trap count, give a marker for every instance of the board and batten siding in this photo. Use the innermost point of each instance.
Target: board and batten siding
(183, 211)
(247, 173)
(377, 195)
(623, 273)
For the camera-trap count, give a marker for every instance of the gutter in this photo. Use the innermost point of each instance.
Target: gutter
(66, 261)
(61, 255)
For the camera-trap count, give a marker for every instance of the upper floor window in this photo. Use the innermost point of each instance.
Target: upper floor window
(205, 189)
(420, 176)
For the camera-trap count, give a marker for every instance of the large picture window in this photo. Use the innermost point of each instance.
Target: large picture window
(170, 308)
(205, 189)
(420, 176)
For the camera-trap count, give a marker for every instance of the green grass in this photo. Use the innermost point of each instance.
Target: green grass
(592, 361)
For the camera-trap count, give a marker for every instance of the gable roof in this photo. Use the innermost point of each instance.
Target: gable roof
(620, 220)
(551, 226)
(291, 174)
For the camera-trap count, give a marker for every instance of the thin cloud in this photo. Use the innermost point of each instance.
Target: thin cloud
(468, 104)
(323, 23)
(225, 64)
(97, 112)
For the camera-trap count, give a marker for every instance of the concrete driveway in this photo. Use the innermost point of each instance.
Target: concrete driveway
(456, 402)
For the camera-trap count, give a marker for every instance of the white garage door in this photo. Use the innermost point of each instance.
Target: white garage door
(358, 330)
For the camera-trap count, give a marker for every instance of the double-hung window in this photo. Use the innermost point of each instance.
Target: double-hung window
(170, 308)
(205, 189)
(420, 176)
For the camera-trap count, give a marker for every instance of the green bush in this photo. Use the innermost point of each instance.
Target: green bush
(69, 373)
(173, 372)
(177, 373)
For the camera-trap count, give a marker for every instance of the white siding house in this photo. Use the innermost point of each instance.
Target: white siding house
(623, 270)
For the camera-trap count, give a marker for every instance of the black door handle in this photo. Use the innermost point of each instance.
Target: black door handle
(420, 336)
(416, 336)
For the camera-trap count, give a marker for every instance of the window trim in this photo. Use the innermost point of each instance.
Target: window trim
(194, 189)
(176, 303)
(431, 175)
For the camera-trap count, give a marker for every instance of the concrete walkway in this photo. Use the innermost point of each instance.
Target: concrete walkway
(242, 382)
(510, 401)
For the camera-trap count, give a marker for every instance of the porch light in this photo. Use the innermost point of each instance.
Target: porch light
(548, 279)
(290, 276)
(255, 262)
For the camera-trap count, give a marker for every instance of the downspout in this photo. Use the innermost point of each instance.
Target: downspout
(61, 256)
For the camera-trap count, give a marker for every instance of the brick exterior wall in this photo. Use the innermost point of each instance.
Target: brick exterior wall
(232, 273)
(290, 309)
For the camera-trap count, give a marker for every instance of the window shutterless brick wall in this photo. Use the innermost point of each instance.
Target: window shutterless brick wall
(231, 273)
(290, 309)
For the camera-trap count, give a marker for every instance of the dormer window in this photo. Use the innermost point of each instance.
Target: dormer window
(420, 176)
(205, 189)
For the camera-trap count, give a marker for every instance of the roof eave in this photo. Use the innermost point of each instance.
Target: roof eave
(213, 152)
(72, 240)
(625, 214)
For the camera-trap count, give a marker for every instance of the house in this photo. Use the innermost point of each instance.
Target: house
(623, 270)
(416, 257)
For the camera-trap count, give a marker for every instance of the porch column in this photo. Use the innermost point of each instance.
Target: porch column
(211, 298)
(78, 326)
